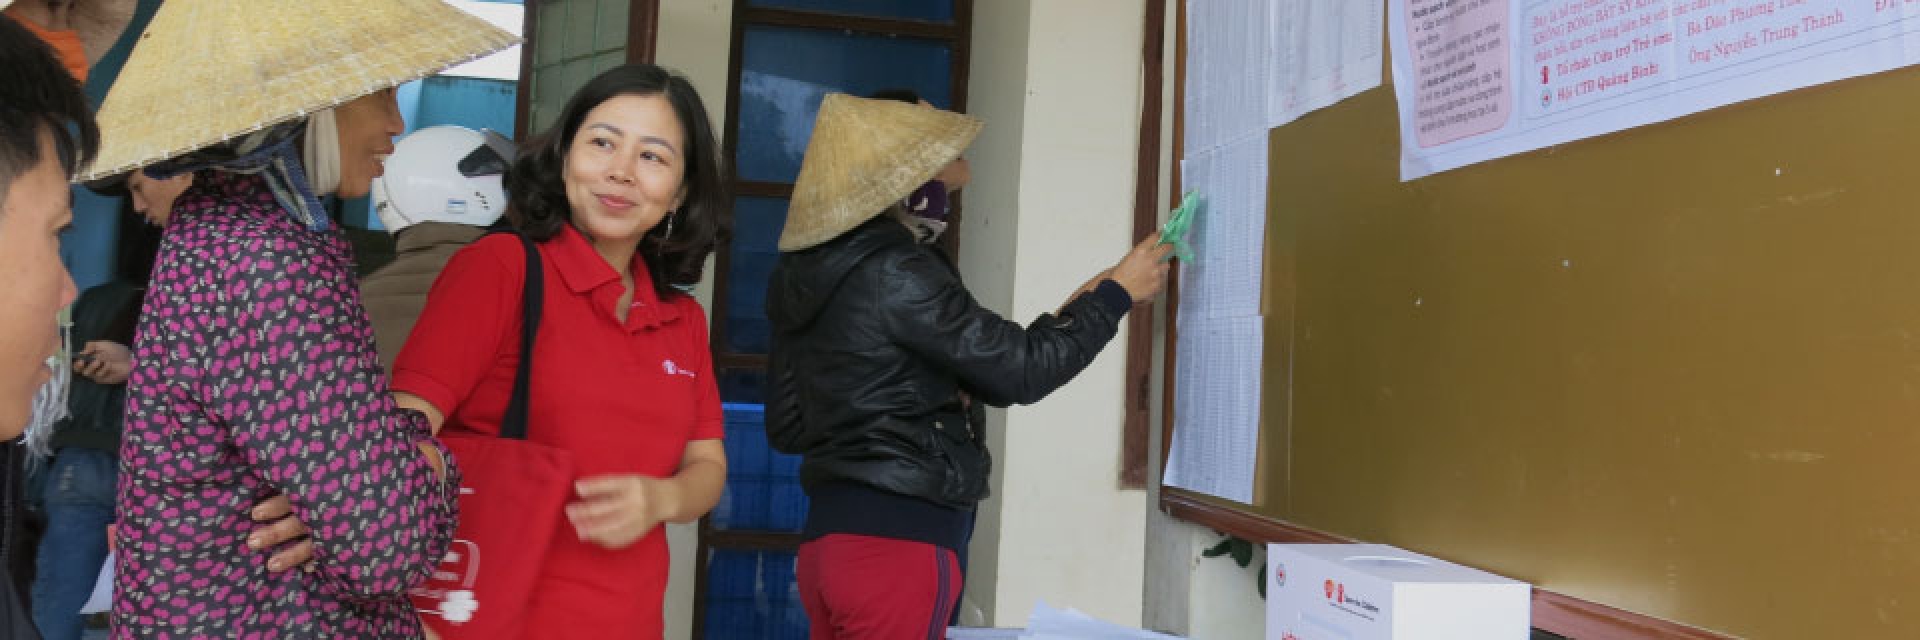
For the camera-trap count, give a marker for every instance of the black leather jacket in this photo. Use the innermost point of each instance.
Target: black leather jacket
(874, 341)
(96, 411)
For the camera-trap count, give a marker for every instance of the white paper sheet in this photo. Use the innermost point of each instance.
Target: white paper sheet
(1048, 623)
(1217, 406)
(1483, 79)
(1229, 233)
(1218, 357)
(980, 633)
(101, 599)
(1228, 69)
(1322, 52)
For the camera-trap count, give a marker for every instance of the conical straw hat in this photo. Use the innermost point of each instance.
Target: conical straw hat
(207, 71)
(864, 156)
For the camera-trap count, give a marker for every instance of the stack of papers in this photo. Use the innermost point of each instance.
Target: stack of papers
(1048, 623)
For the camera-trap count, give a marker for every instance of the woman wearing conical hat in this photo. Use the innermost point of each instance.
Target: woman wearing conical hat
(254, 370)
(882, 360)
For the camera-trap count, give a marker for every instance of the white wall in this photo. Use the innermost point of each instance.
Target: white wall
(1058, 84)
(693, 39)
(989, 225)
(1198, 597)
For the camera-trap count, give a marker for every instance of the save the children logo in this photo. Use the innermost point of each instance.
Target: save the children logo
(449, 590)
(1337, 596)
(459, 606)
(673, 369)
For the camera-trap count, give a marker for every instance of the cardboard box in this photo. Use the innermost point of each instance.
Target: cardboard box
(1379, 592)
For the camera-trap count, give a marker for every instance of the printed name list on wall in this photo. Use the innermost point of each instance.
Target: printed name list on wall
(1320, 52)
(1484, 79)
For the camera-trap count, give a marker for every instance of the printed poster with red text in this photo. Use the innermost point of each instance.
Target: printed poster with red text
(1484, 79)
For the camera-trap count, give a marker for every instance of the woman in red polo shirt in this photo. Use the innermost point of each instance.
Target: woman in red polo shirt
(624, 198)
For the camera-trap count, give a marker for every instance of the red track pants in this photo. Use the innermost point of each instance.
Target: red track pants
(865, 588)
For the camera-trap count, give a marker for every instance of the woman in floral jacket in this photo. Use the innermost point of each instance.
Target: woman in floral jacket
(254, 372)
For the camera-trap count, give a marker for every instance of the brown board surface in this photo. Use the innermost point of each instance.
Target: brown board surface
(1673, 369)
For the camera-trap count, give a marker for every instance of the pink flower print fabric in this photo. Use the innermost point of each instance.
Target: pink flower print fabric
(256, 376)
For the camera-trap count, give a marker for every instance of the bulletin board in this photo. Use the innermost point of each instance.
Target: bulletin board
(1672, 371)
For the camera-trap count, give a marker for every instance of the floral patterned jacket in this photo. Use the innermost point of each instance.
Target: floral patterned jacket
(255, 376)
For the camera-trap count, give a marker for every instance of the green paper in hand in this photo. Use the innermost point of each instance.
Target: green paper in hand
(1178, 224)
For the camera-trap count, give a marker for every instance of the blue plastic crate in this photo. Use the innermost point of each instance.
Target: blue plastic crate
(763, 486)
(751, 258)
(753, 594)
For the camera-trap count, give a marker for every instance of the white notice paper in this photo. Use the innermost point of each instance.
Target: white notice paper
(1230, 87)
(1216, 428)
(1322, 51)
(1227, 72)
(1229, 232)
(1483, 79)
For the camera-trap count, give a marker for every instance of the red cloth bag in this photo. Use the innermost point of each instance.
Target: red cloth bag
(511, 498)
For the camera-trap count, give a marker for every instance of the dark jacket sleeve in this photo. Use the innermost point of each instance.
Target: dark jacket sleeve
(784, 429)
(95, 412)
(932, 315)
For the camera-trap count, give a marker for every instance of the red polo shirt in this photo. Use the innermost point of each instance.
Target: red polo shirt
(624, 397)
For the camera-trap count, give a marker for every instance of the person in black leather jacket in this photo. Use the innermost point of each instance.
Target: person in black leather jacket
(882, 361)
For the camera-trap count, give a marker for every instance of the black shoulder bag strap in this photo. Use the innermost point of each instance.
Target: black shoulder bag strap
(514, 423)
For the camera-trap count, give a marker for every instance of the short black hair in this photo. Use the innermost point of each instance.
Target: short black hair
(537, 193)
(37, 94)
